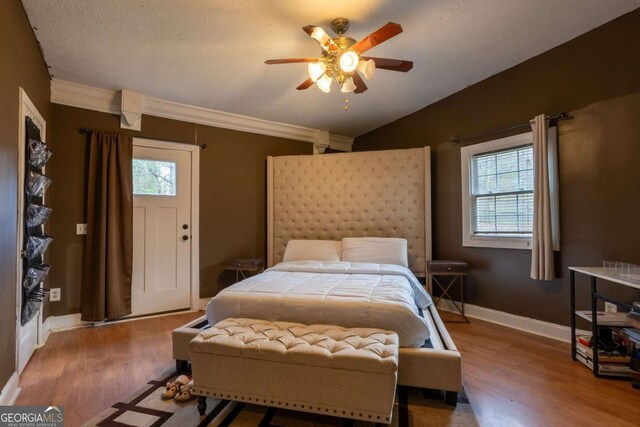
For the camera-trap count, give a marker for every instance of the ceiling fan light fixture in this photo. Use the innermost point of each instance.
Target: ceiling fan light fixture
(316, 70)
(367, 68)
(340, 59)
(348, 86)
(324, 83)
(349, 61)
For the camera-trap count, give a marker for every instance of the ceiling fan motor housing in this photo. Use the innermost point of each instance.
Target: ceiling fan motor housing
(340, 25)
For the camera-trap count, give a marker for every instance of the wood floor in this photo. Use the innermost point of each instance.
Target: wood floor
(511, 378)
(517, 379)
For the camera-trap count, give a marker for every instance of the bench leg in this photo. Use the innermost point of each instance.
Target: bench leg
(202, 405)
(182, 366)
(451, 398)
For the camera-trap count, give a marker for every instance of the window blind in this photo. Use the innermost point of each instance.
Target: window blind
(502, 192)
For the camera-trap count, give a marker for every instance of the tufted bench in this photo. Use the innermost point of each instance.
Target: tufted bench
(344, 372)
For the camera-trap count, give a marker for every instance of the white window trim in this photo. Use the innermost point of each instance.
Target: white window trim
(507, 242)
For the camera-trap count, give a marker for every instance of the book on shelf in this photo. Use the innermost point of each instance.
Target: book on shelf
(604, 357)
(606, 318)
(617, 353)
(585, 340)
(606, 369)
(632, 334)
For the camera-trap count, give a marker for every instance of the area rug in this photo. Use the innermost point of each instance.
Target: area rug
(145, 408)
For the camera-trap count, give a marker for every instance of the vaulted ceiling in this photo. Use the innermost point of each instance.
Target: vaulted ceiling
(211, 53)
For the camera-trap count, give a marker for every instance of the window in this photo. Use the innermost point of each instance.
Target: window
(497, 192)
(154, 177)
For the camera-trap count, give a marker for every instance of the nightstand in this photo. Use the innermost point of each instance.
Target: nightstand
(244, 265)
(454, 271)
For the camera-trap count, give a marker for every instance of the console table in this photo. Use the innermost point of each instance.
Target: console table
(595, 273)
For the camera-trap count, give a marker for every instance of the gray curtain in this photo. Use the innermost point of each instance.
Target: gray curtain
(108, 258)
(542, 238)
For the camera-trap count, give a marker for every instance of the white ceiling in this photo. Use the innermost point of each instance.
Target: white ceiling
(211, 53)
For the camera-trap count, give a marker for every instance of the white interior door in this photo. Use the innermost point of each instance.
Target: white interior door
(161, 230)
(27, 335)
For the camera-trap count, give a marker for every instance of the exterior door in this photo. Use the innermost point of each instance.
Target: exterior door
(161, 230)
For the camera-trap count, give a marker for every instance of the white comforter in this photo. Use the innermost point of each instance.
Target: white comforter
(349, 294)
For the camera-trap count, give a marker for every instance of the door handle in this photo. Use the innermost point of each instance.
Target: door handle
(185, 237)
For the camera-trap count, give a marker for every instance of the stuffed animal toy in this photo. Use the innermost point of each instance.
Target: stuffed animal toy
(185, 394)
(174, 387)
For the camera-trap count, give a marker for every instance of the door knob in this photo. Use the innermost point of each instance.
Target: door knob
(185, 237)
(185, 226)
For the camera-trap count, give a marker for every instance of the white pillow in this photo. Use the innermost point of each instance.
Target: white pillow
(381, 250)
(312, 250)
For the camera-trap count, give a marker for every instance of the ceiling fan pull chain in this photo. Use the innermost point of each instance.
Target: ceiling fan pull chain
(346, 104)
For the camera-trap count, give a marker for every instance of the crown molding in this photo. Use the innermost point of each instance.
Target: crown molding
(341, 143)
(87, 97)
(108, 101)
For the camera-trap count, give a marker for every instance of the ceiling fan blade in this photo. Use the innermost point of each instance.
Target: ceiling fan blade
(381, 35)
(308, 29)
(360, 86)
(391, 64)
(323, 39)
(305, 84)
(290, 60)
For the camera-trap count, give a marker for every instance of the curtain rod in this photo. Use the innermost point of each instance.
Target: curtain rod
(559, 116)
(202, 146)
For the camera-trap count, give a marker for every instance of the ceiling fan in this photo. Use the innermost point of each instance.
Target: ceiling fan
(342, 57)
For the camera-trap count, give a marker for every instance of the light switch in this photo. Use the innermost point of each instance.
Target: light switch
(81, 229)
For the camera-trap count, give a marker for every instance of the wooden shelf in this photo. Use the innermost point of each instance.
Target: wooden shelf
(615, 320)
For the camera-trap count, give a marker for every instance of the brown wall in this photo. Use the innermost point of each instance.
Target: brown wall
(232, 194)
(22, 65)
(595, 78)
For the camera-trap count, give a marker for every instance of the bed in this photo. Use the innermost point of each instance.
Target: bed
(347, 236)
(347, 294)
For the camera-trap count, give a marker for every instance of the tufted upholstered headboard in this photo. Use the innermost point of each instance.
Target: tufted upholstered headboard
(331, 196)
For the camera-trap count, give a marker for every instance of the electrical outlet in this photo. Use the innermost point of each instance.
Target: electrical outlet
(81, 229)
(610, 308)
(54, 294)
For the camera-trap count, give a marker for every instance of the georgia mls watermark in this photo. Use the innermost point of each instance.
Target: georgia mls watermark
(31, 416)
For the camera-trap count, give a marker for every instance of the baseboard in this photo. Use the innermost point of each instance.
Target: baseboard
(43, 332)
(73, 321)
(10, 391)
(525, 324)
(60, 323)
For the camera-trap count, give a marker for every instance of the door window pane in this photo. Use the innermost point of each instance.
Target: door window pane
(154, 177)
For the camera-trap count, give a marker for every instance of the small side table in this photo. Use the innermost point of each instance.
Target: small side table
(455, 271)
(244, 265)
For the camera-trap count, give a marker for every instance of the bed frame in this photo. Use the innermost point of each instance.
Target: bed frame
(376, 193)
(436, 367)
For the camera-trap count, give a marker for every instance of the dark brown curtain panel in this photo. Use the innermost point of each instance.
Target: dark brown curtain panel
(108, 259)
